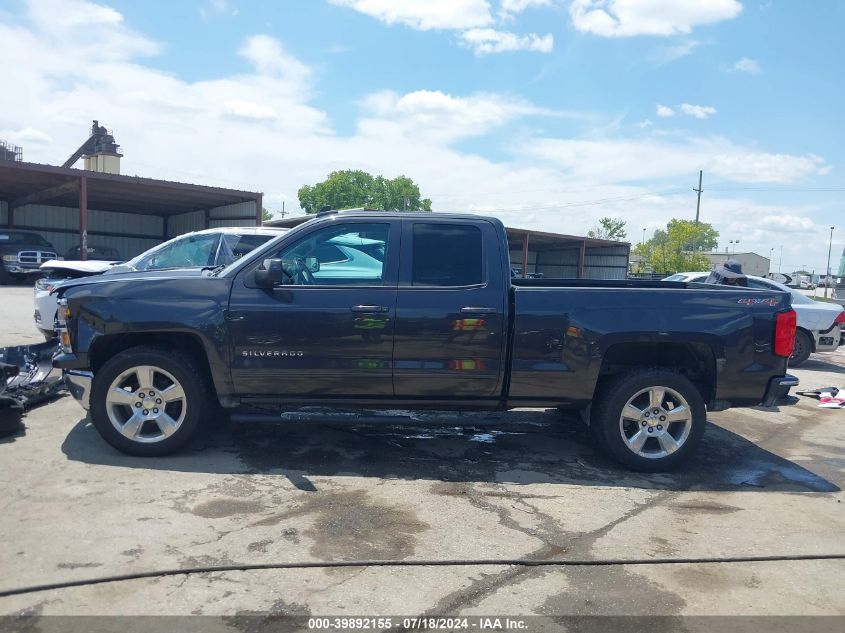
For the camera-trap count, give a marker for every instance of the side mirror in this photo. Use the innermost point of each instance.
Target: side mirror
(312, 264)
(270, 273)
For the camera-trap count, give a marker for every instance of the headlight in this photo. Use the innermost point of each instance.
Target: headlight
(44, 284)
(10, 258)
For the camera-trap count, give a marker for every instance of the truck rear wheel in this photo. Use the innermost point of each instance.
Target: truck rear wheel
(649, 419)
(148, 402)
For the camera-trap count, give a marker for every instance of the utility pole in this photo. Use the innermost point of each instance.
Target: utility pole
(698, 191)
(827, 277)
(643, 240)
(283, 208)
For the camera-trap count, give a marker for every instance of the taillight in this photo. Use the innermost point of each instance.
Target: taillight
(840, 318)
(785, 323)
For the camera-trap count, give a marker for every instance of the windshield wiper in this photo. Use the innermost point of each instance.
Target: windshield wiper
(215, 270)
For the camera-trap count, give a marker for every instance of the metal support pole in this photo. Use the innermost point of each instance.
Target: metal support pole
(827, 270)
(259, 208)
(698, 203)
(581, 257)
(525, 255)
(83, 218)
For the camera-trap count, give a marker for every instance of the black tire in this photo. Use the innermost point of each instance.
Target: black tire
(614, 394)
(803, 349)
(180, 366)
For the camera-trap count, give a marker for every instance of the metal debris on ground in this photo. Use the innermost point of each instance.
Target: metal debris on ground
(828, 397)
(27, 378)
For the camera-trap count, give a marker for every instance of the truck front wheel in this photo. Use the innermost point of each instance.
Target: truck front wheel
(649, 419)
(148, 402)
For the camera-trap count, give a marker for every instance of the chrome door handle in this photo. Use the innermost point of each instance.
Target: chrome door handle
(369, 309)
(478, 310)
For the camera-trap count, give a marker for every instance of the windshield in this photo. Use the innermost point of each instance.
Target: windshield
(188, 251)
(20, 238)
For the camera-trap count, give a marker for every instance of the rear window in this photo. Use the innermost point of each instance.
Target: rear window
(447, 255)
(18, 238)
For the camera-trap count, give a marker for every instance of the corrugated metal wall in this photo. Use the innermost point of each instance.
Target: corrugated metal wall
(606, 262)
(559, 263)
(42, 217)
(240, 214)
(4, 212)
(185, 222)
(600, 262)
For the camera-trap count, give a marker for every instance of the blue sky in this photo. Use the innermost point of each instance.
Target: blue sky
(547, 113)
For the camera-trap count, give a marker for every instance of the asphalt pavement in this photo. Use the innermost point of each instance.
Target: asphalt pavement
(323, 488)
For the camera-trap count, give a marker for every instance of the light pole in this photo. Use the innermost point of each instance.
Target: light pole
(733, 247)
(771, 250)
(827, 278)
(643, 240)
(780, 261)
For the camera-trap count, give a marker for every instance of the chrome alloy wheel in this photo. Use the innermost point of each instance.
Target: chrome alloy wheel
(655, 422)
(146, 404)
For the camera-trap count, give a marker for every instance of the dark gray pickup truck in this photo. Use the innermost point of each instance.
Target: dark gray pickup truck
(392, 310)
(22, 253)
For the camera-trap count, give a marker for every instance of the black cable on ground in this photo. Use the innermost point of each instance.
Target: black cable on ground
(505, 562)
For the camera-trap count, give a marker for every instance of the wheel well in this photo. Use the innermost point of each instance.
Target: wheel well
(695, 361)
(105, 347)
(809, 336)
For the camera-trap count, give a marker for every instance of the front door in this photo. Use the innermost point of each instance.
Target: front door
(328, 331)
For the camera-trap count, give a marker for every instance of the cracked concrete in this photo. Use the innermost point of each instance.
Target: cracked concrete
(764, 482)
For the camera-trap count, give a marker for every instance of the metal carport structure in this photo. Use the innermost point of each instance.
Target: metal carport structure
(69, 206)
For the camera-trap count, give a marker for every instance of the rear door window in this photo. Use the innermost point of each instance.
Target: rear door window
(447, 255)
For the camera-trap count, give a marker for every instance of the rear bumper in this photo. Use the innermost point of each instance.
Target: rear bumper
(779, 387)
(79, 384)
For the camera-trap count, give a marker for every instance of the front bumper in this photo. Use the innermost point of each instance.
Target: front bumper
(23, 269)
(779, 387)
(79, 384)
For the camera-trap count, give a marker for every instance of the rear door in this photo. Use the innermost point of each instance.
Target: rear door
(327, 334)
(450, 332)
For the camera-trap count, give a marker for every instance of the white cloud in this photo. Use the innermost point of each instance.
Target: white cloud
(669, 54)
(637, 160)
(697, 111)
(425, 14)
(487, 41)
(249, 109)
(509, 8)
(217, 7)
(746, 65)
(435, 116)
(664, 111)
(791, 223)
(25, 136)
(269, 58)
(623, 18)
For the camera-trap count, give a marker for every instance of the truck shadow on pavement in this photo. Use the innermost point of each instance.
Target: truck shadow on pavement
(533, 447)
(817, 362)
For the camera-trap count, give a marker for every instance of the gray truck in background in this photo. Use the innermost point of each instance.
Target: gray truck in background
(22, 253)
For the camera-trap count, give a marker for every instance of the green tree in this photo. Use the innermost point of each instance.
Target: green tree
(680, 248)
(349, 189)
(266, 215)
(608, 229)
